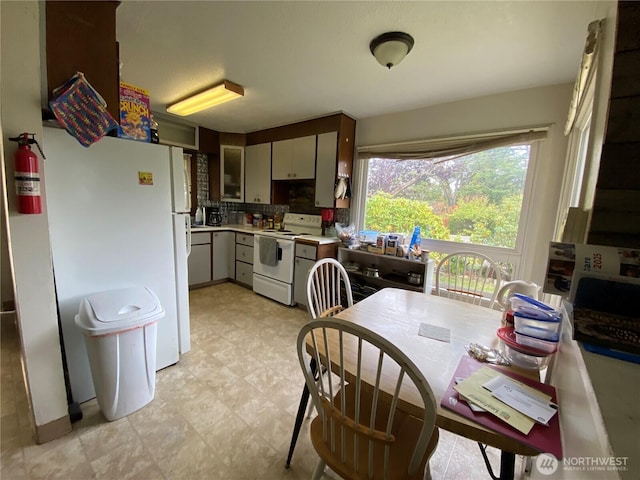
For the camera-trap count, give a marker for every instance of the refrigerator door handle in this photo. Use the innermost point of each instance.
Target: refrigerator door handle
(188, 222)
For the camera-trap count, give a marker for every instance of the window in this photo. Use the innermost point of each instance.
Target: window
(583, 153)
(474, 199)
(576, 189)
(463, 201)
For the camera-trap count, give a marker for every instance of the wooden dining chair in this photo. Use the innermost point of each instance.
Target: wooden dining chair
(360, 430)
(327, 285)
(328, 293)
(469, 277)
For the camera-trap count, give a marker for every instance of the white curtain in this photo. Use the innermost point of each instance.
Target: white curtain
(585, 75)
(452, 147)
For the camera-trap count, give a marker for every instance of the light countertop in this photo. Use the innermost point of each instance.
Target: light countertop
(226, 228)
(598, 405)
(319, 240)
(253, 230)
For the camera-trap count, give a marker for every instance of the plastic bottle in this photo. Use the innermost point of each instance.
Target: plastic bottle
(199, 216)
(153, 127)
(414, 244)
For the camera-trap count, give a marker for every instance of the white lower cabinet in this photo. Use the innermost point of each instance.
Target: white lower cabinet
(244, 273)
(244, 259)
(244, 253)
(302, 267)
(199, 262)
(223, 253)
(307, 254)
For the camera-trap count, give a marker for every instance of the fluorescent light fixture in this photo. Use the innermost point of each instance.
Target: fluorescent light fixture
(206, 99)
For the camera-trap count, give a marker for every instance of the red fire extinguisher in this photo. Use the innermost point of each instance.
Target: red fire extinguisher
(26, 175)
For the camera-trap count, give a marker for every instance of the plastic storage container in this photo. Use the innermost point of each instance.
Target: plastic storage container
(541, 333)
(547, 346)
(521, 302)
(524, 360)
(545, 328)
(367, 236)
(120, 329)
(521, 355)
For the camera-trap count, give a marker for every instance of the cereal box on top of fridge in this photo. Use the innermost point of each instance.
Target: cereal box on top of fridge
(134, 113)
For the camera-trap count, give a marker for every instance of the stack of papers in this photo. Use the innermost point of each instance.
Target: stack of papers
(532, 403)
(511, 401)
(498, 416)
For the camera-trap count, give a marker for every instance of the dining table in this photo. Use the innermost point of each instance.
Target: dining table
(397, 314)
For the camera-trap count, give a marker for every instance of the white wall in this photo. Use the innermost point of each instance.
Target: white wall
(601, 415)
(524, 108)
(29, 234)
(6, 280)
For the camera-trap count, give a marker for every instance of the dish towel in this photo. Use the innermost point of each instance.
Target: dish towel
(268, 251)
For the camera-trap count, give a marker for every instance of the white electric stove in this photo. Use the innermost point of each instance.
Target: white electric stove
(274, 254)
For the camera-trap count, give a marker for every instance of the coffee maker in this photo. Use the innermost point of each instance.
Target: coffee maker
(214, 217)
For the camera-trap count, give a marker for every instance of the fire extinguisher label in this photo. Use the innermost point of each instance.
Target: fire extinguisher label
(27, 184)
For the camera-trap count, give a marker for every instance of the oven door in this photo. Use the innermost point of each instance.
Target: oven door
(282, 271)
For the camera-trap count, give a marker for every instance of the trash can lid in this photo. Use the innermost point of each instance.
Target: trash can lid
(116, 310)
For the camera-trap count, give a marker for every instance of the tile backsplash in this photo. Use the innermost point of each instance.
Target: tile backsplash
(229, 209)
(202, 188)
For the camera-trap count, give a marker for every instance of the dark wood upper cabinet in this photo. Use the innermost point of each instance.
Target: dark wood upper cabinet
(209, 144)
(208, 141)
(315, 126)
(81, 37)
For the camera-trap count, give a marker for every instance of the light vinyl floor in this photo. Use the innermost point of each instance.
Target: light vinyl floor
(225, 411)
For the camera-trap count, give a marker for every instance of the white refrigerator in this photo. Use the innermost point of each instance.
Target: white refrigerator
(118, 217)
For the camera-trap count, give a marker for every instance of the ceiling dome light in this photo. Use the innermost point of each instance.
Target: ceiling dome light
(391, 47)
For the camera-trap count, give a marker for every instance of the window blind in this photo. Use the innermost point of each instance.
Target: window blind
(452, 147)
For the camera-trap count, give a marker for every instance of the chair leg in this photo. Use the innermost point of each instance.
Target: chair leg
(528, 465)
(319, 470)
(317, 376)
(304, 399)
(310, 410)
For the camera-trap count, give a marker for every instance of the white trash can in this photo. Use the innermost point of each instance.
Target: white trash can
(120, 329)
